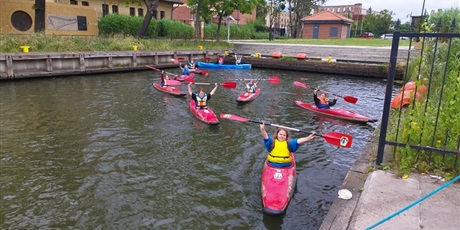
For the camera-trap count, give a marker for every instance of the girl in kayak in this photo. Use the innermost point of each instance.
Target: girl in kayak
(191, 64)
(185, 70)
(163, 79)
(322, 102)
(251, 87)
(201, 99)
(280, 147)
(220, 59)
(238, 59)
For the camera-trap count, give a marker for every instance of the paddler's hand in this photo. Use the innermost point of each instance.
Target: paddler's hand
(336, 98)
(262, 125)
(311, 136)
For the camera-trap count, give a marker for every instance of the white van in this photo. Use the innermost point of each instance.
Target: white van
(390, 37)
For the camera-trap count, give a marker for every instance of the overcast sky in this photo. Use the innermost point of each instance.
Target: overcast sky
(400, 8)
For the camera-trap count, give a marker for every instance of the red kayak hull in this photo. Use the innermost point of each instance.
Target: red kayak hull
(199, 71)
(277, 187)
(169, 90)
(182, 77)
(336, 112)
(247, 97)
(205, 115)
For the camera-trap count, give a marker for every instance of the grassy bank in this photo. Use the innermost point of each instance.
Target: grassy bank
(51, 43)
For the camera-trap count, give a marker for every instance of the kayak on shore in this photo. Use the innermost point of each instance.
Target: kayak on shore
(169, 89)
(222, 66)
(277, 187)
(205, 115)
(247, 97)
(336, 112)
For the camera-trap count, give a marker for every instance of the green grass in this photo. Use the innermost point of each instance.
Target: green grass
(53, 43)
(338, 42)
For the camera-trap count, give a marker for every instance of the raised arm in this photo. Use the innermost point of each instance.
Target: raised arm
(263, 131)
(214, 90)
(305, 139)
(189, 90)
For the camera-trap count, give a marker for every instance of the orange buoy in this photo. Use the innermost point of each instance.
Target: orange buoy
(301, 56)
(405, 98)
(411, 86)
(276, 55)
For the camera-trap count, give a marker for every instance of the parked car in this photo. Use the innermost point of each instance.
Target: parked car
(365, 35)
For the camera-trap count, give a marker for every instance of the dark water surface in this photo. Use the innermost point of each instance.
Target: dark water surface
(111, 152)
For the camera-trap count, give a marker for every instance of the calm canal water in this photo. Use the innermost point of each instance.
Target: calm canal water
(111, 152)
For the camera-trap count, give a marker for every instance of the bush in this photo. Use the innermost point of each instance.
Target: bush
(175, 29)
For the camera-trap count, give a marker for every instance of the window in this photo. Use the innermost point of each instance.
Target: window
(140, 12)
(84, 3)
(105, 9)
(132, 11)
(73, 2)
(334, 32)
(162, 14)
(155, 14)
(114, 9)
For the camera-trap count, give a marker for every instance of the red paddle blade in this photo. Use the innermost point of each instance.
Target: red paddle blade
(300, 84)
(274, 80)
(207, 59)
(189, 79)
(338, 139)
(174, 60)
(204, 72)
(233, 117)
(181, 59)
(173, 82)
(230, 85)
(151, 67)
(350, 99)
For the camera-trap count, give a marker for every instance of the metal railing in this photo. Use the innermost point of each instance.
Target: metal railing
(421, 122)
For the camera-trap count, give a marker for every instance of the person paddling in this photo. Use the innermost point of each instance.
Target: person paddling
(251, 86)
(322, 102)
(191, 64)
(281, 146)
(185, 70)
(201, 99)
(163, 79)
(220, 59)
(238, 59)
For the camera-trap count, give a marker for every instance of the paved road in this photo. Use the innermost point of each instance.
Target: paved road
(356, 53)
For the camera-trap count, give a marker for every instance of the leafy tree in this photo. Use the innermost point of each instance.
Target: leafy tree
(298, 9)
(378, 23)
(445, 18)
(151, 7)
(200, 12)
(224, 8)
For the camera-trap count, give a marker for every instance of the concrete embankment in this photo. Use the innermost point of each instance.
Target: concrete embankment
(320, 59)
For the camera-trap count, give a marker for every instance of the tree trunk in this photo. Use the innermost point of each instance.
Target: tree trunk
(197, 23)
(148, 17)
(218, 28)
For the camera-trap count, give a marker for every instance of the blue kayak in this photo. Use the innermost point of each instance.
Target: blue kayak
(222, 66)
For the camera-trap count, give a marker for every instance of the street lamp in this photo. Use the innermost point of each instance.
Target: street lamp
(228, 27)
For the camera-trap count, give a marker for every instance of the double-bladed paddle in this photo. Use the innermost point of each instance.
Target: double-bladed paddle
(349, 99)
(334, 138)
(188, 78)
(228, 84)
(271, 79)
(177, 60)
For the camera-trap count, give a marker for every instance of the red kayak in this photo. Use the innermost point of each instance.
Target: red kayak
(199, 71)
(336, 112)
(205, 115)
(169, 89)
(277, 187)
(183, 77)
(247, 97)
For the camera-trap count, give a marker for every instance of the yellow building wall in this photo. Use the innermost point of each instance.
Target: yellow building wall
(7, 8)
(61, 19)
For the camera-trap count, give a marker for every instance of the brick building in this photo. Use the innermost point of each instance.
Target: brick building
(326, 25)
(355, 11)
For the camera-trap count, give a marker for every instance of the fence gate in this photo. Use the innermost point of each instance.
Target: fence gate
(421, 124)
